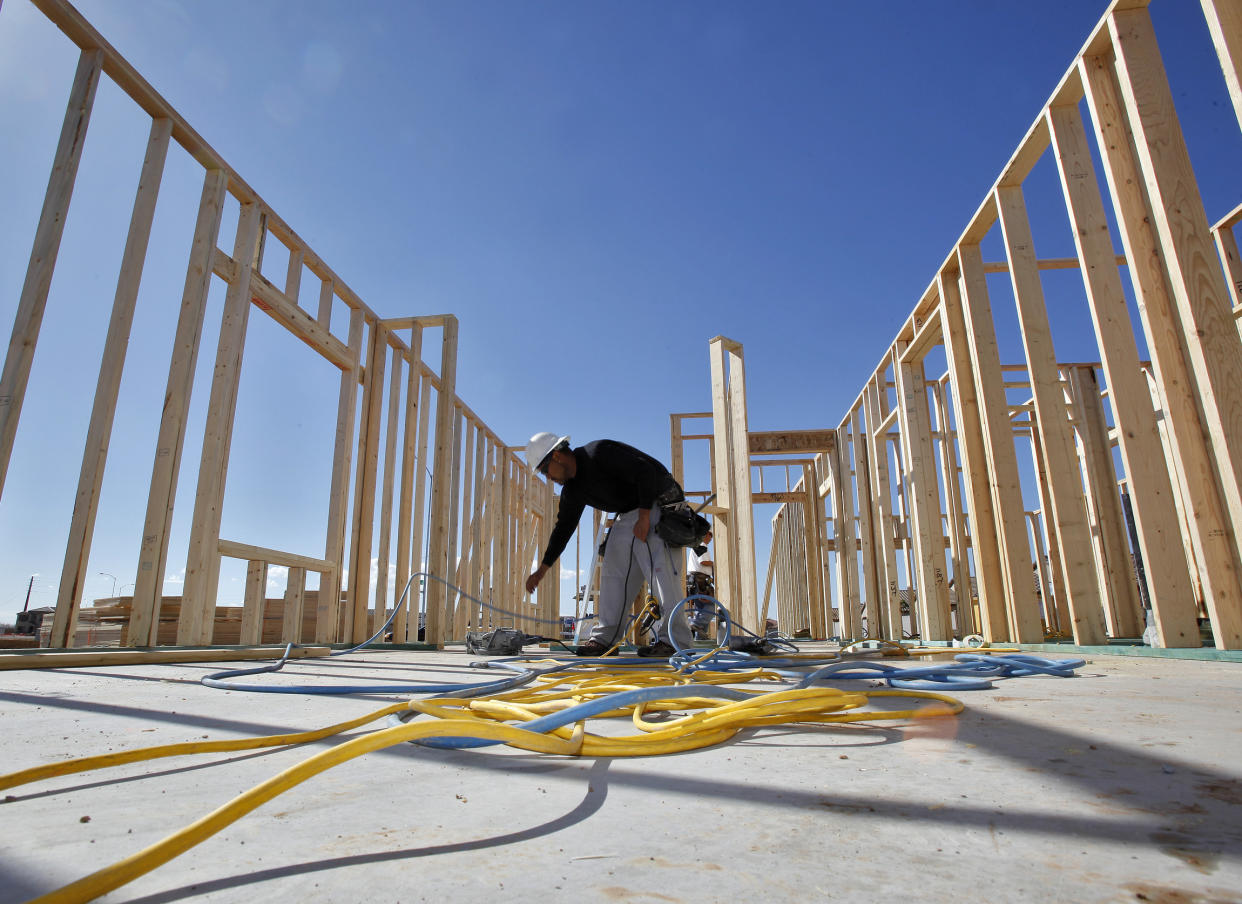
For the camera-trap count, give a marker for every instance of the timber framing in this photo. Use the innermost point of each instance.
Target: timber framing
(977, 484)
(1129, 512)
(467, 511)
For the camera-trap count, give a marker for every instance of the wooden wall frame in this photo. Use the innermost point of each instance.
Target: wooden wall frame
(1176, 421)
(916, 499)
(480, 535)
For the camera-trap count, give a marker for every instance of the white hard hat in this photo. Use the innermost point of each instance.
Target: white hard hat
(541, 446)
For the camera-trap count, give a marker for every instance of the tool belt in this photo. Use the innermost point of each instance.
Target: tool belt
(697, 582)
(679, 524)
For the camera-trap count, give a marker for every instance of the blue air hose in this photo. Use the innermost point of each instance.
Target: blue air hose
(971, 672)
(577, 713)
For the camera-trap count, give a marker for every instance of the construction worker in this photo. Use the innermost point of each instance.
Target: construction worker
(613, 477)
(699, 567)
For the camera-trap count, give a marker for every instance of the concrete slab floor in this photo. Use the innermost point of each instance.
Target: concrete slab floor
(1122, 784)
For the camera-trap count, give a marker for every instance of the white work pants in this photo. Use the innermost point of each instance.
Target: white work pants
(627, 563)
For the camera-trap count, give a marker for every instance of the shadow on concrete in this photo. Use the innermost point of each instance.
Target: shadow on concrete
(1152, 801)
(15, 885)
(175, 717)
(592, 801)
(297, 668)
(1188, 813)
(126, 779)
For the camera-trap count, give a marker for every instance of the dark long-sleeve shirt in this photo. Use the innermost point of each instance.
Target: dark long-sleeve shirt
(611, 477)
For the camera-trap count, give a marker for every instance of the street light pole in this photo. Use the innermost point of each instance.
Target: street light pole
(105, 574)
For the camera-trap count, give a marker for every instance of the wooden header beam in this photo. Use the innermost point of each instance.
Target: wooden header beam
(782, 442)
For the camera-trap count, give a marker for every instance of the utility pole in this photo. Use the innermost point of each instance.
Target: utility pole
(28, 588)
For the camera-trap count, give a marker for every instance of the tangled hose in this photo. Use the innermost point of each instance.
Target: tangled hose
(545, 708)
(550, 717)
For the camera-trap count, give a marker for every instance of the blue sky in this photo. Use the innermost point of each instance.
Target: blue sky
(594, 188)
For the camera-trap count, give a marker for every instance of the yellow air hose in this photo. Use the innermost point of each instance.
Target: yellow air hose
(715, 715)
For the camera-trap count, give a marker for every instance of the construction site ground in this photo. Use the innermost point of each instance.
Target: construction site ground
(1123, 783)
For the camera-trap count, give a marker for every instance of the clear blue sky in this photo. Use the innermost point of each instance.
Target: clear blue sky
(594, 188)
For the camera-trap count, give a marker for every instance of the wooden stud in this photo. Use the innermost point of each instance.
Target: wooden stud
(405, 505)
(420, 501)
(901, 525)
(1064, 483)
(1224, 19)
(103, 411)
(1108, 522)
(1002, 464)
(799, 572)
(1231, 260)
(357, 625)
(496, 526)
(295, 602)
(550, 598)
(478, 521)
(785, 613)
(293, 275)
(924, 493)
(768, 581)
(527, 544)
(519, 601)
(153, 557)
(519, 529)
(812, 530)
(33, 300)
(463, 487)
(795, 576)
(1150, 489)
(955, 517)
(253, 605)
(1054, 597)
(390, 469)
(980, 589)
(676, 451)
(1201, 300)
(454, 528)
(441, 501)
(1041, 573)
(202, 570)
(1211, 531)
(1181, 500)
(503, 556)
(475, 537)
(328, 608)
(871, 582)
(677, 469)
(842, 495)
(727, 582)
(743, 527)
(889, 626)
(327, 293)
(827, 565)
